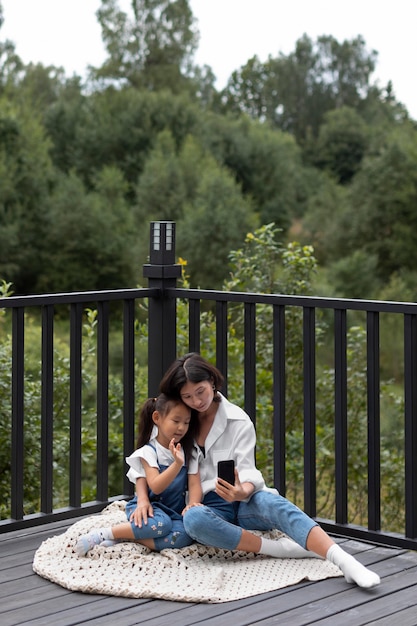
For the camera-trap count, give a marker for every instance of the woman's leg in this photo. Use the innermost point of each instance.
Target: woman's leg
(282, 548)
(208, 526)
(263, 517)
(353, 571)
(266, 510)
(215, 525)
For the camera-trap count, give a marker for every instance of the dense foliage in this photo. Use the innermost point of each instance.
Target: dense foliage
(304, 140)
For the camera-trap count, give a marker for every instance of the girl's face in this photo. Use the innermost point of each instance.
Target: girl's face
(172, 425)
(198, 396)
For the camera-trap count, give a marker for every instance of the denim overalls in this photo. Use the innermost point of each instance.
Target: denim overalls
(166, 527)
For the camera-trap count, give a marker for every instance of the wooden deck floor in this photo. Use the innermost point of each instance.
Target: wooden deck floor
(26, 598)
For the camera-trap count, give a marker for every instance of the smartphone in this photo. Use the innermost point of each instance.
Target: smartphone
(226, 471)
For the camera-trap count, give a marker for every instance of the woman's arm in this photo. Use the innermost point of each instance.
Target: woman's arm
(243, 446)
(195, 492)
(237, 441)
(234, 493)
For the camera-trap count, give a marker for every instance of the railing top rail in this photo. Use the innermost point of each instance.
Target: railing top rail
(292, 300)
(82, 296)
(211, 294)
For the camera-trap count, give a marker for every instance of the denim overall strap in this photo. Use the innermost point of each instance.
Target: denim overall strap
(173, 497)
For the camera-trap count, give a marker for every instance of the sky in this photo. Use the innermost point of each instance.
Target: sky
(66, 33)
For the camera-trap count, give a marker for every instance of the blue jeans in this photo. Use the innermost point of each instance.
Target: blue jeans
(220, 523)
(166, 527)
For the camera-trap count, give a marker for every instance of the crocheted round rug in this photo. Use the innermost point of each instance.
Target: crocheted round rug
(194, 574)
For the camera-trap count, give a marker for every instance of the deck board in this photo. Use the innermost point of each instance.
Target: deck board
(26, 598)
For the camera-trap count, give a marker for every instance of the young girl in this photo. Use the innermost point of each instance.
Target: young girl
(170, 467)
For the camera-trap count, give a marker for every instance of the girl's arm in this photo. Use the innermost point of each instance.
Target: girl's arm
(144, 507)
(159, 481)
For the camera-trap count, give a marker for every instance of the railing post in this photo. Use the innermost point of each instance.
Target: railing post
(162, 273)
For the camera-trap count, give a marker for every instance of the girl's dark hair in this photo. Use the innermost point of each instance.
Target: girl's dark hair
(164, 404)
(190, 368)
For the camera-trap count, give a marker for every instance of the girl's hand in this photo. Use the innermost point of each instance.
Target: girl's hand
(232, 493)
(141, 513)
(176, 452)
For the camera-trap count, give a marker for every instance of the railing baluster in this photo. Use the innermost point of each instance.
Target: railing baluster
(250, 360)
(221, 340)
(279, 397)
(374, 442)
(47, 410)
(410, 430)
(341, 416)
(18, 456)
(128, 383)
(309, 342)
(102, 401)
(194, 326)
(76, 312)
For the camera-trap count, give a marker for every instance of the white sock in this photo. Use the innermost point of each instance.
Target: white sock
(285, 548)
(353, 571)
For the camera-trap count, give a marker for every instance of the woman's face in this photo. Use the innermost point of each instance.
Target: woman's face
(198, 396)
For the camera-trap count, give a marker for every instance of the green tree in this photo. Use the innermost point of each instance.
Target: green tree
(294, 92)
(90, 241)
(10, 63)
(116, 127)
(25, 177)
(267, 164)
(354, 276)
(152, 48)
(381, 219)
(214, 222)
(42, 86)
(341, 144)
(160, 193)
(326, 206)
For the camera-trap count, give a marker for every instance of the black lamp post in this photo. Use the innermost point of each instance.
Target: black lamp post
(162, 243)
(162, 252)
(162, 273)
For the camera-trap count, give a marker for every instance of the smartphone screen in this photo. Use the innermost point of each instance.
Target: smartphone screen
(226, 471)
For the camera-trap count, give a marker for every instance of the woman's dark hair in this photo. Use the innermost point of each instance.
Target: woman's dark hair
(164, 404)
(190, 368)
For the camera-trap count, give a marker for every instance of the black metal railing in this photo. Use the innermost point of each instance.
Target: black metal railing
(161, 304)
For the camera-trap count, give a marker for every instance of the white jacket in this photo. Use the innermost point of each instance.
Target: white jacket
(232, 436)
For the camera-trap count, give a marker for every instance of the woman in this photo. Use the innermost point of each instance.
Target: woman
(226, 432)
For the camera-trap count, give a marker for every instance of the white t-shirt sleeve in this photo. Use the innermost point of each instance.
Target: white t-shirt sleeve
(134, 461)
